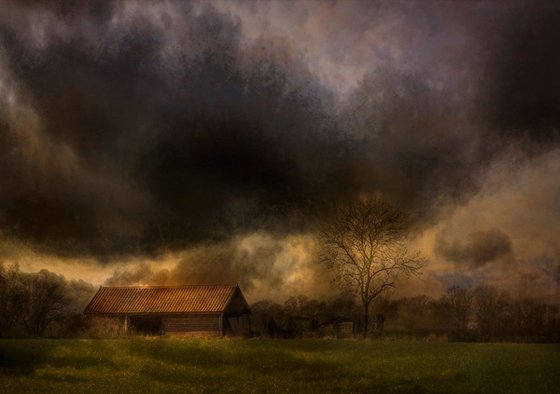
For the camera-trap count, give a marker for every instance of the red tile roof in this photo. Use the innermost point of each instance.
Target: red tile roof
(160, 299)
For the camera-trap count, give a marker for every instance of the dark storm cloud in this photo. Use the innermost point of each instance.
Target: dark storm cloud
(478, 249)
(524, 82)
(415, 140)
(138, 151)
(131, 128)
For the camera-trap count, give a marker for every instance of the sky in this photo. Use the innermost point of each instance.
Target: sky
(184, 142)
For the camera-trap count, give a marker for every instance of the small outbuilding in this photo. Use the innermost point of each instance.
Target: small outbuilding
(174, 310)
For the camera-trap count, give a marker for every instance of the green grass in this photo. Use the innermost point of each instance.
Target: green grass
(259, 365)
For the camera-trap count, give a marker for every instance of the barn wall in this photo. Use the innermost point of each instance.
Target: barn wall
(193, 324)
(105, 327)
(237, 325)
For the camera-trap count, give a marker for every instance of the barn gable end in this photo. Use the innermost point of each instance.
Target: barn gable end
(237, 303)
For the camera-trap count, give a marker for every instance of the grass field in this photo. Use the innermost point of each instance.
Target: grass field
(259, 365)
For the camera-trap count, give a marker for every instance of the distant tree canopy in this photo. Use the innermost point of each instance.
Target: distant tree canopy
(46, 304)
(482, 313)
(365, 245)
(38, 304)
(460, 300)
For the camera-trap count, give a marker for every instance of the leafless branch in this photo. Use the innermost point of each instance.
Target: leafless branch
(364, 244)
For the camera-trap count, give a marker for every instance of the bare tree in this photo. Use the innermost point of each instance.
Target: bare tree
(365, 245)
(46, 301)
(13, 300)
(529, 317)
(460, 300)
(491, 310)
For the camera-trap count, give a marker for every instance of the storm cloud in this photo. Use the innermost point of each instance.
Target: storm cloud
(524, 81)
(131, 150)
(132, 130)
(478, 249)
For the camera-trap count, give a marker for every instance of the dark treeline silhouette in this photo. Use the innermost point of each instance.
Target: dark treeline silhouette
(484, 313)
(41, 304)
(300, 316)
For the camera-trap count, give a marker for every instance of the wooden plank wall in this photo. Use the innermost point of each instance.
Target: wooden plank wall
(192, 324)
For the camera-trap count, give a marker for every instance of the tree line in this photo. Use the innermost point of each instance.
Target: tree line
(483, 313)
(41, 304)
(46, 304)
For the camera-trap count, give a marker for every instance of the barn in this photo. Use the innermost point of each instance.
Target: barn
(174, 310)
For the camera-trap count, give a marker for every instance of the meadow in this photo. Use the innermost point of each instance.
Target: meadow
(268, 365)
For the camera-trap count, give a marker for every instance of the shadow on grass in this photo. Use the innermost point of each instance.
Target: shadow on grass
(244, 366)
(22, 357)
(19, 357)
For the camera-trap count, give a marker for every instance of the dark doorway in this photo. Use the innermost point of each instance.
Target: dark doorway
(146, 325)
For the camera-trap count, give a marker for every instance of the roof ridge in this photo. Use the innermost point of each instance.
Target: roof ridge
(164, 286)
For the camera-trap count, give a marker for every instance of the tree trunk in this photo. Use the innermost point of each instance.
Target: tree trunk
(366, 319)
